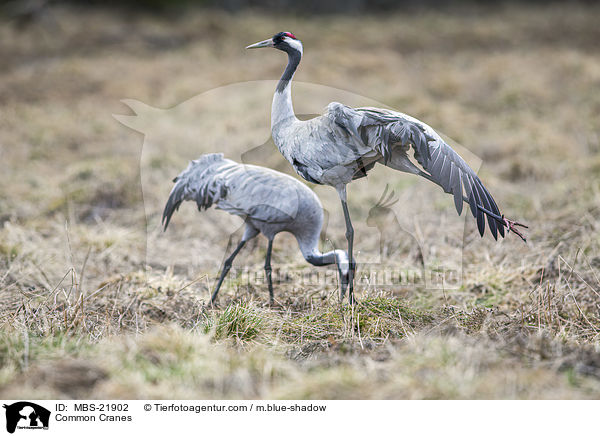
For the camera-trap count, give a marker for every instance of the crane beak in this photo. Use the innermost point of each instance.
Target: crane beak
(265, 43)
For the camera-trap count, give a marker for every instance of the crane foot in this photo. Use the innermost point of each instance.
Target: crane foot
(512, 226)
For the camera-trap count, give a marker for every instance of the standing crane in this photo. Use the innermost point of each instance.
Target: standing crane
(345, 143)
(270, 202)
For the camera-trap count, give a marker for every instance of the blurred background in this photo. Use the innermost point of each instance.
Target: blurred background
(516, 84)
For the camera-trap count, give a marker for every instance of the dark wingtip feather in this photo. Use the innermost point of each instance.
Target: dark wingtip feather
(489, 203)
(472, 205)
(490, 219)
(173, 203)
(480, 223)
(457, 190)
(479, 214)
(493, 228)
(168, 212)
(458, 201)
(501, 230)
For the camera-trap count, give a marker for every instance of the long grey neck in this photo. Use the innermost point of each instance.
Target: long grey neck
(338, 257)
(312, 254)
(282, 109)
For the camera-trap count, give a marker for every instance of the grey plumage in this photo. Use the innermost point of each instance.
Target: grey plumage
(345, 143)
(259, 194)
(270, 202)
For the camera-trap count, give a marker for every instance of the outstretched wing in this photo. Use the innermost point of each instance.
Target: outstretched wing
(392, 133)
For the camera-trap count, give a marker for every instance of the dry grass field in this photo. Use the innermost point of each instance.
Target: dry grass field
(97, 302)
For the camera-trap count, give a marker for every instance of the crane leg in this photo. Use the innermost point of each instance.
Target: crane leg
(249, 232)
(225, 270)
(268, 270)
(350, 239)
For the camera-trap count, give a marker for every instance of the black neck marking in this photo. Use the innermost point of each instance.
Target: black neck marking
(294, 57)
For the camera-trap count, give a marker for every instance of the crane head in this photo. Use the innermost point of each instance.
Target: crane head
(285, 41)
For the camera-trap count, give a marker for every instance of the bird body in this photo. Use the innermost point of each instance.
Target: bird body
(344, 144)
(270, 203)
(319, 150)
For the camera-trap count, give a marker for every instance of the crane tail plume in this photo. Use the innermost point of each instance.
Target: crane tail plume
(173, 203)
(197, 182)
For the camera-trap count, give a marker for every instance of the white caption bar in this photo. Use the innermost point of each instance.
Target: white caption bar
(159, 417)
